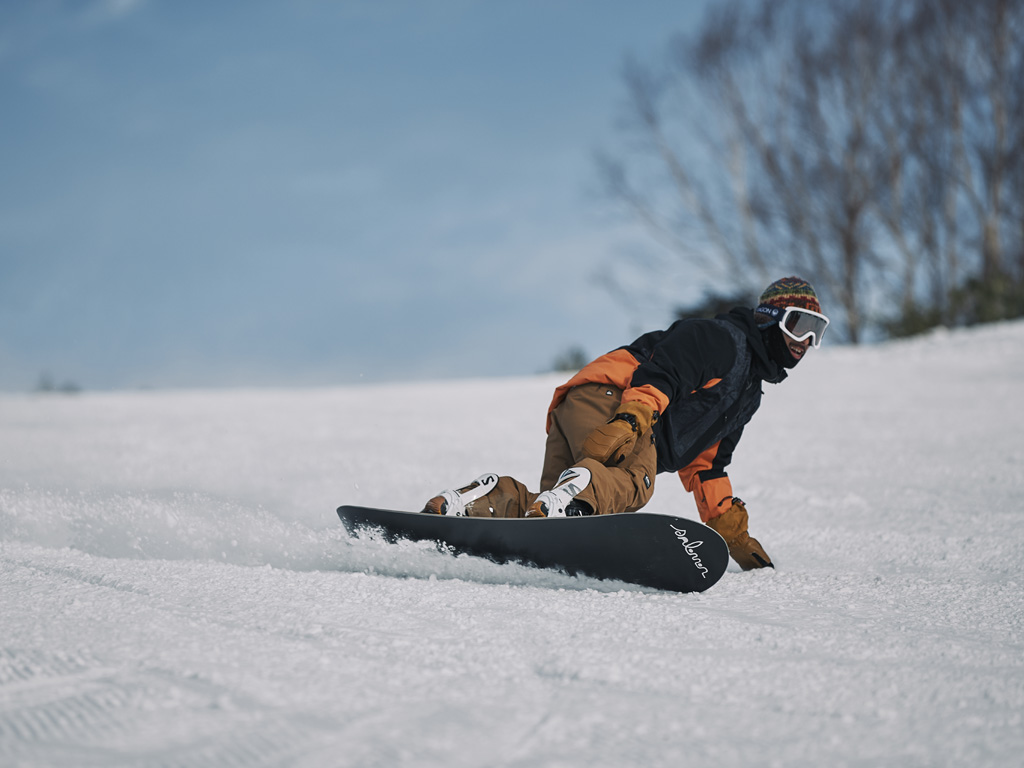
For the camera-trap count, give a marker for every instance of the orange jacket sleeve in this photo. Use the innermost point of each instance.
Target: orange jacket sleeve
(714, 495)
(616, 370)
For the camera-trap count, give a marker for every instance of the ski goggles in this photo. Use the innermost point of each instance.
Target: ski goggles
(797, 323)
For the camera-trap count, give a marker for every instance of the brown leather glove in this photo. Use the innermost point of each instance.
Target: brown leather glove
(612, 442)
(731, 525)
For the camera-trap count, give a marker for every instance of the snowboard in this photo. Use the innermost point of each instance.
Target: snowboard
(650, 550)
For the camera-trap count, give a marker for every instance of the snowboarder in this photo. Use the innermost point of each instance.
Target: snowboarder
(672, 401)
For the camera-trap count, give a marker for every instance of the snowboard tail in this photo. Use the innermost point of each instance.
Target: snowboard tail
(650, 550)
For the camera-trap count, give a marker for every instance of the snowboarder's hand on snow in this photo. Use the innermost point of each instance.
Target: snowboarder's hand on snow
(747, 551)
(612, 442)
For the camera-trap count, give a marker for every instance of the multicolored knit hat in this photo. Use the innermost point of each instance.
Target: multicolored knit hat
(786, 292)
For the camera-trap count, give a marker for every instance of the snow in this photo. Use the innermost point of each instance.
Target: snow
(176, 590)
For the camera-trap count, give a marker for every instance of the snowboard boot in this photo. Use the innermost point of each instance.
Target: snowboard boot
(560, 501)
(453, 503)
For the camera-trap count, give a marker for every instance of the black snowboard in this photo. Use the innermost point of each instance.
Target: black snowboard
(659, 551)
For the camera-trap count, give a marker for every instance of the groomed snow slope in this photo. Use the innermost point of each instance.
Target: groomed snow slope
(175, 589)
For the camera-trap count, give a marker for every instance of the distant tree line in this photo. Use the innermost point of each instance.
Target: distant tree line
(875, 147)
(47, 384)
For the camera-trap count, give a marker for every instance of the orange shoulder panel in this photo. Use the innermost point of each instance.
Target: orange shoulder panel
(615, 369)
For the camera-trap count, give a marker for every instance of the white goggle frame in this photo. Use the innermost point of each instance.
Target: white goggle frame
(798, 323)
(806, 324)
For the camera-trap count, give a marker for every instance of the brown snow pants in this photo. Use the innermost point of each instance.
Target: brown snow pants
(624, 487)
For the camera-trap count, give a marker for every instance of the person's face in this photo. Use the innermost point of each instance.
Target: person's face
(797, 348)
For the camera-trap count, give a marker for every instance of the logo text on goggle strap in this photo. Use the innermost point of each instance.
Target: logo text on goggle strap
(689, 547)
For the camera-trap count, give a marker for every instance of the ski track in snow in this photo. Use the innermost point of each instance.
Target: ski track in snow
(175, 589)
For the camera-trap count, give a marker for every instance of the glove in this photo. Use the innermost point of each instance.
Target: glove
(731, 525)
(612, 442)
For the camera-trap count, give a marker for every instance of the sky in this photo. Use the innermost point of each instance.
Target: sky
(312, 193)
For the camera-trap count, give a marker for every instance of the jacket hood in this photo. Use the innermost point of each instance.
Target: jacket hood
(762, 363)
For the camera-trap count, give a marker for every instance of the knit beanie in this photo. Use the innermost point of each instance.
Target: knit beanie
(785, 292)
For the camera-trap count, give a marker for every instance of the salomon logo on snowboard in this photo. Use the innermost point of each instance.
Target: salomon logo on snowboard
(689, 546)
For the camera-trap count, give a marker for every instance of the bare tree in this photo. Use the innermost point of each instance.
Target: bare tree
(873, 146)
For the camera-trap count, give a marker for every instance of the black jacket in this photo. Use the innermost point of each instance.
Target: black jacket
(711, 371)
